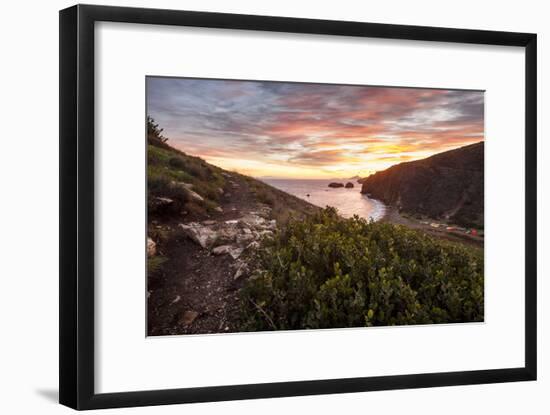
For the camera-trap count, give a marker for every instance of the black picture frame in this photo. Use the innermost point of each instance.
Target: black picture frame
(76, 281)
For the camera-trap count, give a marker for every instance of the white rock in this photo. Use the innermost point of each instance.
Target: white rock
(163, 201)
(202, 235)
(151, 247)
(187, 187)
(234, 251)
(244, 238)
(241, 270)
(253, 245)
(221, 250)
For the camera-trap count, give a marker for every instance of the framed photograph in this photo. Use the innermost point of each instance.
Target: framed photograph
(258, 207)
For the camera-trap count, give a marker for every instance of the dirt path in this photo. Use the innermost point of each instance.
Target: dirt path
(197, 292)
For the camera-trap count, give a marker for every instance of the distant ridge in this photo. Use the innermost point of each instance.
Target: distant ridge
(447, 186)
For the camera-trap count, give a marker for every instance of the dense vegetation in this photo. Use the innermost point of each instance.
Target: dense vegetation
(327, 272)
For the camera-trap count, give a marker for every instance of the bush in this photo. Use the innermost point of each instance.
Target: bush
(327, 272)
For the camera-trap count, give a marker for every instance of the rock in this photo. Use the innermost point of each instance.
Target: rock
(349, 185)
(194, 196)
(221, 250)
(252, 221)
(234, 251)
(244, 238)
(220, 190)
(187, 188)
(151, 247)
(163, 201)
(227, 234)
(335, 185)
(218, 209)
(253, 245)
(200, 234)
(188, 317)
(242, 269)
(176, 300)
(230, 236)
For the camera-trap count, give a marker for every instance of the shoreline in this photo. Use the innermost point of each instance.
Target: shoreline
(322, 196)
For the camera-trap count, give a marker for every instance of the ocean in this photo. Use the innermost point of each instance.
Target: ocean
(349, 202)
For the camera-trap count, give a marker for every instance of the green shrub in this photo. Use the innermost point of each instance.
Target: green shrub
(326, 272)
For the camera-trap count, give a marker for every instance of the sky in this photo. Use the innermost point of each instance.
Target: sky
(299, 130)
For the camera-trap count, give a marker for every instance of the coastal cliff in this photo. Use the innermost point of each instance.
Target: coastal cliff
(447, 186)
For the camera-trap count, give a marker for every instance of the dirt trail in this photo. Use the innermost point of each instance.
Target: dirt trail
(197, 292)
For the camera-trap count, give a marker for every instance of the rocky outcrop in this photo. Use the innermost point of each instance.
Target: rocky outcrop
(335, 185)
(447, 186)
(349, 185)
(231, 237)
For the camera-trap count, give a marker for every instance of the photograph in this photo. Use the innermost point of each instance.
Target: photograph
(277, 206)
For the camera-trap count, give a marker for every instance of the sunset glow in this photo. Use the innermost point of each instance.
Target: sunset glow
(296, 130)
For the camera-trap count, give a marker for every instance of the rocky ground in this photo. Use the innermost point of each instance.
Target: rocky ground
(197, 291)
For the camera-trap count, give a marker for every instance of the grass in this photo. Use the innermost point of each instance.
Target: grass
(167, 167)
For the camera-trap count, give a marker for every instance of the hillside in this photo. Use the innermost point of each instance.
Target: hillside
(203, 225)
(446, 186)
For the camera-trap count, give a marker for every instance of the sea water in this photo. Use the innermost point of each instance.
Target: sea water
(349, 202)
